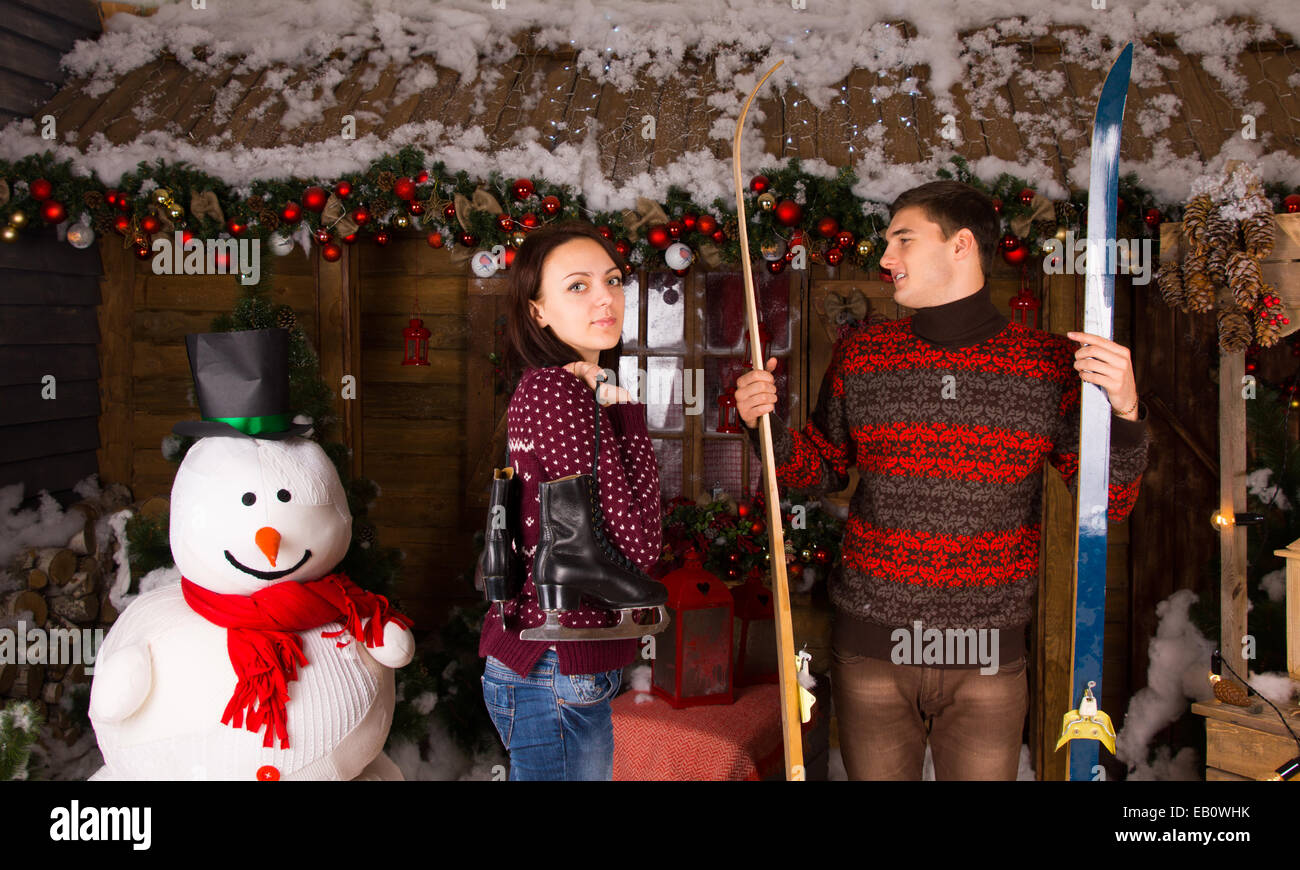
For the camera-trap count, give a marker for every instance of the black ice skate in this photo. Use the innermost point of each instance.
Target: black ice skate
(499, 572)
(575, 559)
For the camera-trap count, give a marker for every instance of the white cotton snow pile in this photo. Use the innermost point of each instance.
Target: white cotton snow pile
(1274, 585)
(1178, 672)
(1164, 766)
(1257, 484)
(1276, 687)
(441, 759)
(46, 525)
(638, 680)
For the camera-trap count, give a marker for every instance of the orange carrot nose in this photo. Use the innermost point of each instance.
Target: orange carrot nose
(268, 541)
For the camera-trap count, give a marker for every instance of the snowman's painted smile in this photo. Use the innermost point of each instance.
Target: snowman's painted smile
(268, 575)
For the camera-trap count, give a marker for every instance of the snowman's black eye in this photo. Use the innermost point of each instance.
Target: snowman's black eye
(249, 498)
(283, 495)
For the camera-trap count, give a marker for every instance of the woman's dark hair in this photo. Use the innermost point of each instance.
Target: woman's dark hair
(527, 344)
(953, 205)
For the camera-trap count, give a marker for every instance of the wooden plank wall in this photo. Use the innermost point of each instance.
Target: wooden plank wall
(164, 309)
(413, 419)
(48, 294)
(34, 36)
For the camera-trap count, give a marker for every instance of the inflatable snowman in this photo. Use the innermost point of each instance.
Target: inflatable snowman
(261, 663)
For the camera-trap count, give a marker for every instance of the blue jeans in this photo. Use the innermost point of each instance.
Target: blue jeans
(555, 727)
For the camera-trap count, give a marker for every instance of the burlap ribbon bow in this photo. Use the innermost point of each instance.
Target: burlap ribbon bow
(205, 205)
(647, 213)
(843, 309)
(336, 218)
(466, 206)
(1040, 209)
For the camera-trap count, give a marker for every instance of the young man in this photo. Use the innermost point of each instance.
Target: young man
(948, 416)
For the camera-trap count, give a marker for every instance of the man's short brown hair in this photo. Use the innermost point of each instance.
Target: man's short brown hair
(954, 206)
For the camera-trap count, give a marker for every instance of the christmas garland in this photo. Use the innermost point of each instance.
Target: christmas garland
(403, 192)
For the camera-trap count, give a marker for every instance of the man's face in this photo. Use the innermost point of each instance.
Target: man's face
(921, 260)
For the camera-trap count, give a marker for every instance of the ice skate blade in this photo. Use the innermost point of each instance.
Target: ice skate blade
(553, 630)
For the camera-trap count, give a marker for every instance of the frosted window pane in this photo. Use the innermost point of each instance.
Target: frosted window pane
(631, 311)
(665, 312)
(668, 452)
(664, 396)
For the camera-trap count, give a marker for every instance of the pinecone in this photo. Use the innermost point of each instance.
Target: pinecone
(102, 225)
(1235, 329)
(1198, 287)
(1231, 693)
(1064, 212)
(1170, 281)
(1268, 317)
(1195, 217)
(385, 180)
(1244, 278)
(254, 203)
(1259, 230)
(93, 199)
(1221, 241)
(286, 318)
(270, 220)
(731, 228)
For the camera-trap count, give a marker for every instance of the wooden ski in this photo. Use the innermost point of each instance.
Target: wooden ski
(791, 731)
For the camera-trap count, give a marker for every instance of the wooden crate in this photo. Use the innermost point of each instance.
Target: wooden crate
(1241, 744)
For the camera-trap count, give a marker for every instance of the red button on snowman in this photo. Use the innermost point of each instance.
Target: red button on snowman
(262, 663)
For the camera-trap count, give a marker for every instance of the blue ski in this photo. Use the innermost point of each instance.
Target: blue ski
(1087, 724)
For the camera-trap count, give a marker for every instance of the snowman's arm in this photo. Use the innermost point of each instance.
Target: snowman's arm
(121, 683)
(398, 648)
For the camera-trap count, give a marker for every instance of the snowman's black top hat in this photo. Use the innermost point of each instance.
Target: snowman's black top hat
(241, 380)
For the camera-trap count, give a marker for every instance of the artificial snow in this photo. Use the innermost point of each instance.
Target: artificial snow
(46, 525)
(438, 758)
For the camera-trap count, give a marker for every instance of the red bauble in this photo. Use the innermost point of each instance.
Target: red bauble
(675, 229)
(624, 247)
(382, 238)
(469, 240)
(142, 251)
(551, 206)
(235, 227)
(605, 231)
(742, 510)
(658, 237)
(53, 211)
(1292, 203)
(522, 189)
(122, 223)
(421, 177)
(314, 199)
(719, 236)
(758, 527)
(150, 224)
(707, 224)
(505, 222)
(449, 211)
(1026, 196)
(331, 252)
(434, 240)
(361, 216)
(844, 239)
(111, 197)
(789, 256)
(690, 220)
(404, 188)
(828, 227)
(776, 267)
(1008, 242)
(291, 213)
(343, 188)
(322, 235)
(530, 221)
(682, 273)
(997, 206)
(41, 189)
(1017, 255)
(788, 212)
(350, 239)
(887, 276)
(186, 235)
(1152, 217)
(759, 183)
(415, 207)
(794, 569)
(834, 256)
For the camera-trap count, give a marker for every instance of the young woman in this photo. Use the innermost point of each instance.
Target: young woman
(551, 702)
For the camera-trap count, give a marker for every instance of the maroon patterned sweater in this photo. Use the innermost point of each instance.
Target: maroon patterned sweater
(948, 415)
(551, 427)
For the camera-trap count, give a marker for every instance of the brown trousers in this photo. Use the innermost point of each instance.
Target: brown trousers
(888, 712)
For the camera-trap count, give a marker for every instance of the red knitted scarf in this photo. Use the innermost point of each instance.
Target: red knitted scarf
(263, 642)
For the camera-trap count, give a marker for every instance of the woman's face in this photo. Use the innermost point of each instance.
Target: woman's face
(581, 297)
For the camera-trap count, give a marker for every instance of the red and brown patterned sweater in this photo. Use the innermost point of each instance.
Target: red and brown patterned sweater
(551, 426)
(948, 415)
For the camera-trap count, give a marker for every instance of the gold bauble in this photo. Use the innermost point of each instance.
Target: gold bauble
(767, 201)
(805, 555)
(1060, 233)
(865, 247)
(175, 212)
(18, 218)
(401, 221)
(517, 238)
(162, 196)
(9, 234)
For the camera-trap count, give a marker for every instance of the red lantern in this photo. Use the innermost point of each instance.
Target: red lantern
(41, 189)
(404, 189)
(343, 188)
(551, 206)
(313, 199)
(692, 662)
(828, 227)
(291, 213)
(53, 211)
(728, 417)
(415, 339)
(754, 631)
(658, 237)
(788, 212)
(522, 189)
(1024, 305)
(707, 224)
